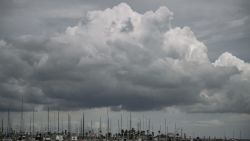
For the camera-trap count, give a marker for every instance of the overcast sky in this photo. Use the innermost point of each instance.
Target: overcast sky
(187, 61)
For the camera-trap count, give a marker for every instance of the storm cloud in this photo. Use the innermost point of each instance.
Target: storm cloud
(125, 60)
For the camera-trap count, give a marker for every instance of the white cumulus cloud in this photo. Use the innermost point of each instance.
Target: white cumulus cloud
(127, 60)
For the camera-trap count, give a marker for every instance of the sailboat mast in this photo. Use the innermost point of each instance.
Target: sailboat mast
(48, 121)
(58, 122)
(8, 126)
(83, 124)
(175, 127)
(33, 121)
(2, 126)
(91, 126)
(143, 122)
(165, 124)
(21, 121)
(80, 128)
(118, 129)
(108, 121)
(30, 123)
(130, 122)
(160, 126)
(121, 121)
(140, 125)
(149, 125)
(240, 134)
(69, 124)
(100, 126)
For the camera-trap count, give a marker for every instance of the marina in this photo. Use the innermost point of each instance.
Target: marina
(143, 131)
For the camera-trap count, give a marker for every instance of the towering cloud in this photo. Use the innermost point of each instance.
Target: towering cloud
(124, 60)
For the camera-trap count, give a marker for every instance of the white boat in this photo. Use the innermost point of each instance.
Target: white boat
(59, 138)
(74, 138)
(6, 139)
(47, 139)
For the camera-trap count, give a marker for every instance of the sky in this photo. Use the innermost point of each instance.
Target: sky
(186, 61)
